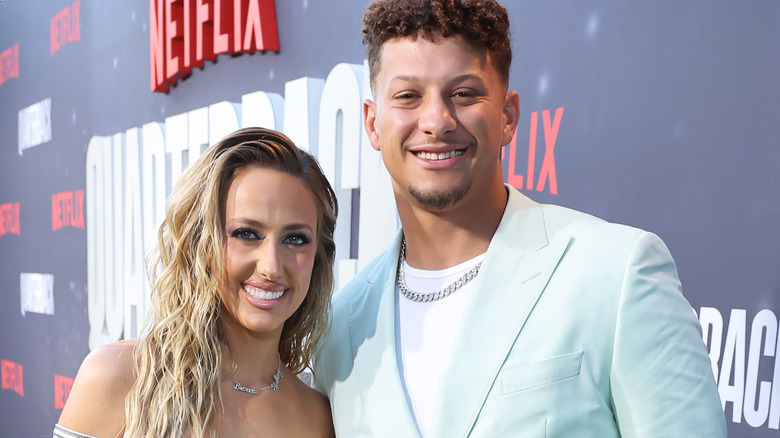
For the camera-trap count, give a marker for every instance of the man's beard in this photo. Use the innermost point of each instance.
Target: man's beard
(439, 200)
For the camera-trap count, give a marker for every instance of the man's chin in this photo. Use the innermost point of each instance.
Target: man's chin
(438, 199)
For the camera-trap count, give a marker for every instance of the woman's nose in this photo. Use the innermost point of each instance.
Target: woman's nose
(269, 262)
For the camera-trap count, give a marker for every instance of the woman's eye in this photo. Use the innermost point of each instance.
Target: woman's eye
(244, 234)
(297, 239)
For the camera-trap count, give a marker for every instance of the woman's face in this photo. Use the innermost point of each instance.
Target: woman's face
(270, 244)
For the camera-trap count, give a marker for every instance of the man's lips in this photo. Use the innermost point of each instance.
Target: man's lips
(436, 156)
(438, 151)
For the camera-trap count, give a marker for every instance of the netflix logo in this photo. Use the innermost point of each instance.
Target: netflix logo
(9, 218)
(67, 210)
(62, 387)
(547, 176)
(9, 63)
(11, 376)
(65, 27)
(185, 33)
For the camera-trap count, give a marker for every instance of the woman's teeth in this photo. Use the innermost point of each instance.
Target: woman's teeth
(263, 295)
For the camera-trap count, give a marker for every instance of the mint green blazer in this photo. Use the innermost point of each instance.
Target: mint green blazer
(579, 329)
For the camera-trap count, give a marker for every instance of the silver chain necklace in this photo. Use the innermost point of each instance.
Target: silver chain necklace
(431, 296)
(274, 385)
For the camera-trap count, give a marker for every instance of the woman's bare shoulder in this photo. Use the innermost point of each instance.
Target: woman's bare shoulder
(317, 409)
(111, 367)
(96, 403)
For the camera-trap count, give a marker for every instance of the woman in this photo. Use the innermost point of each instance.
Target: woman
(241, 290)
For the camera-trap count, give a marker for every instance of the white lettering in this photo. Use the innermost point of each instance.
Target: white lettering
(96, 223)
(712, 331)
(35, 125)
(734, 358)
(378, 217)
(339, 142)
(261, 109)
(223, 119)
(133, 267)
(36, 293)
(739, 382)
(114, 252)
(175, 144)
(198, 133)
(302, 101)
(764, 327)
(130, 175)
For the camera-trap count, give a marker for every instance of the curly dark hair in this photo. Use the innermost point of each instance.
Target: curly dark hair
(483, 23)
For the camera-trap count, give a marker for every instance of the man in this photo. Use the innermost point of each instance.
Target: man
(492, 315)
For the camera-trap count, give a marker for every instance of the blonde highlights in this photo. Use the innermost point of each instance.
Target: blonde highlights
(179, 359)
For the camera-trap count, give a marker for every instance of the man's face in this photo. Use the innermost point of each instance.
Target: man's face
(440, 117)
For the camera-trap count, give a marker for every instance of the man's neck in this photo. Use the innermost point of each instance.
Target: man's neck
(441, 239)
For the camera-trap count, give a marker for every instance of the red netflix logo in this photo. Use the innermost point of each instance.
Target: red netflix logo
(185, 33)
(9, 218)
(67, 210)
(62, 387)
(9, 63)
(547, 172)
(65, 27)
(11, 375)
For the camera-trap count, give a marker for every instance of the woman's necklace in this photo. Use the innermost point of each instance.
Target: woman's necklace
(274, 385)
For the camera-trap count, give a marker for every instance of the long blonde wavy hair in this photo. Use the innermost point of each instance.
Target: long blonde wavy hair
(179, 358)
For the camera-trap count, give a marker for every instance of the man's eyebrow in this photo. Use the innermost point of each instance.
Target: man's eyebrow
(456, 79)
(402, 78)
(466, 76)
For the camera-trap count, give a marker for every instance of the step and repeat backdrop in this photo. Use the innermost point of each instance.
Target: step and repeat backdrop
(663, 115)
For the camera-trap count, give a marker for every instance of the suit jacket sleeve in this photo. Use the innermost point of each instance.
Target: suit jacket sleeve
(661, 377)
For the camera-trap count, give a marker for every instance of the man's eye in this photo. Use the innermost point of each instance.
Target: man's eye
(297, 239)
(405, 96)
(465, 95)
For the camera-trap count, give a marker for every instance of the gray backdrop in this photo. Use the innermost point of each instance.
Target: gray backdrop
(669, 122)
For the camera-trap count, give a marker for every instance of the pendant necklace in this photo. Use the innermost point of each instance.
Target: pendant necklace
(274, 385)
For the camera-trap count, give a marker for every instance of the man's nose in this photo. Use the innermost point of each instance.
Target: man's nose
(437, 116)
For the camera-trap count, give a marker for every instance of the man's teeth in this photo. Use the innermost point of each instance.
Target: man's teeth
(439, 156)
(263, 295)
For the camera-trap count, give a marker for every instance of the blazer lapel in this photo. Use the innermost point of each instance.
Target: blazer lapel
(376, 363)
(515, 271)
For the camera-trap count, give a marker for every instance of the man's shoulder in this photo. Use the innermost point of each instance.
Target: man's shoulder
(560, 222)
(579, 223)
(353, 307)
(376, 272)
(596, 239)
(554, 216)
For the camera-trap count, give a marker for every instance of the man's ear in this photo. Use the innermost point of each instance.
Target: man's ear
(369, 122)
(511, 114)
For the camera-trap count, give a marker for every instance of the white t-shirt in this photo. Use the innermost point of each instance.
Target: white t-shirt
(426, 333)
